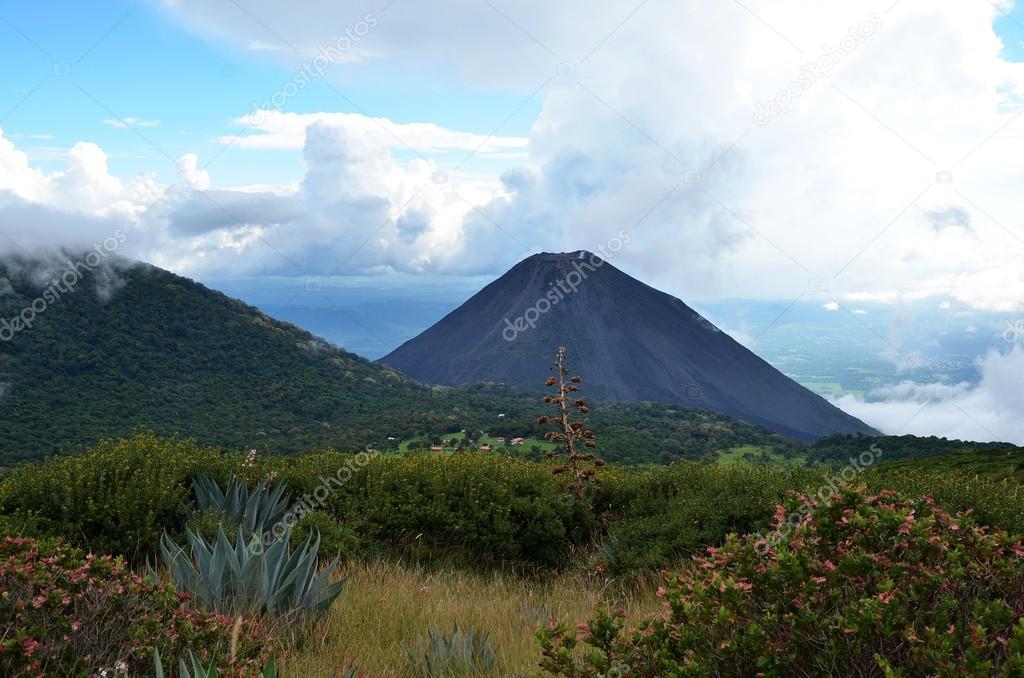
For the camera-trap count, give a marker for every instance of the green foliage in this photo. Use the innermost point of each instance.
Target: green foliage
(671, 513)
(174, 357)
(336, 539)
(862, 585)
(479, 509)
(461, 653)
(994, 502)
(68, 614)
(837, 449)
(249, 578)
(117, 498)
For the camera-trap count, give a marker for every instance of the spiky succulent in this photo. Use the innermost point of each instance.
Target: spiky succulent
(251, 510)
(459, 653)
(197, 670)
(241, 579)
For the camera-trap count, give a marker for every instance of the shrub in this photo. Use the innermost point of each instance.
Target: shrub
(866, 585)
(116, 498)
(335, 539)
(452, 655)
(484, 508)
(65, 614)
(667, 515)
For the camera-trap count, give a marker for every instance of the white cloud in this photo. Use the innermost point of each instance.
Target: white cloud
(279, 130)
(830, 306)
(991, 410)
(190, 174)
(648, 124)
(129, 122)
(843, 185)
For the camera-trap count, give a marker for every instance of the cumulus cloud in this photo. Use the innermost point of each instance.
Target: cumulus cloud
(859, 180)
(189, 173)
(358, 209)
(992, 410)
(893, 177)
(280, 130)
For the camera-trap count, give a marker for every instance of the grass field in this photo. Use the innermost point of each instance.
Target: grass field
(386, 606)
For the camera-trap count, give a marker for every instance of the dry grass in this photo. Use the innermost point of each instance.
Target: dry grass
(386, 606)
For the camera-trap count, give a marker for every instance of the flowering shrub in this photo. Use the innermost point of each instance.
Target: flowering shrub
(67, 614)
(867, 585)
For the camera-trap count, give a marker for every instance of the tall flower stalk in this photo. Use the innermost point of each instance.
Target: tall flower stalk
(569, 432)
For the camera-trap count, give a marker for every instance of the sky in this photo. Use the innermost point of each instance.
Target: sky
(849, 152)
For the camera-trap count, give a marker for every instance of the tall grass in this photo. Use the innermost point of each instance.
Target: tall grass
(387, 606)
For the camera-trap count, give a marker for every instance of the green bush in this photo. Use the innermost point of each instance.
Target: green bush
(666, 515)
(867, 585)
(995, 502)
(335, 539)
(488, 509)
(117, 498)
(66, 614)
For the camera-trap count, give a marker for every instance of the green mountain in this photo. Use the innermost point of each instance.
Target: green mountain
(129, 346)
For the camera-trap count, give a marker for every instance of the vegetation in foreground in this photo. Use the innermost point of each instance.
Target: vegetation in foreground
(478, 541)
(864, 584)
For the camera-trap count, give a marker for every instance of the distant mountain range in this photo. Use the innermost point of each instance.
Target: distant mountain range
(634, 343)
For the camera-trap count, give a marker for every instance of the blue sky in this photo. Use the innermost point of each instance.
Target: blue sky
(136, 60)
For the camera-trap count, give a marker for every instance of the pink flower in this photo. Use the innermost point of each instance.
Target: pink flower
(584, 630)
(819, 580)
(661, 592)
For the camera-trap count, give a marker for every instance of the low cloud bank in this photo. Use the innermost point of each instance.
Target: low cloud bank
(989, 411)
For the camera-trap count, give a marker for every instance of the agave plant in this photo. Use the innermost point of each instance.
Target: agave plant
(240, 579)
(250, 510)
(197, 670)
(460, 653)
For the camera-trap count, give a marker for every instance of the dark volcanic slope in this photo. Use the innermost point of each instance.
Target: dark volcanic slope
(630, 341)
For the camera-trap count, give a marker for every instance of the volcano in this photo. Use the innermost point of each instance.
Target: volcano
(629, 341)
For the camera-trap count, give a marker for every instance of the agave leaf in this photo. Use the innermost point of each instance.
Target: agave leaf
(158, 666)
